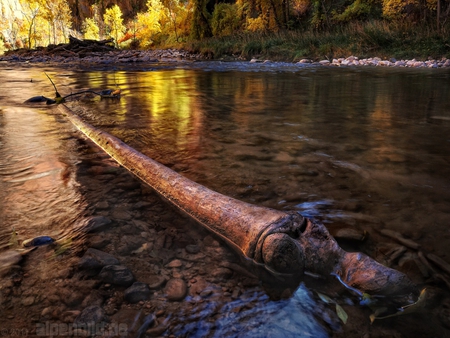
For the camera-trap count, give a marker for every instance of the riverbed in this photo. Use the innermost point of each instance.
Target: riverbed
(362, 149)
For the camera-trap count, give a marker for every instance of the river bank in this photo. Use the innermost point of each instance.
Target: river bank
(146, 58)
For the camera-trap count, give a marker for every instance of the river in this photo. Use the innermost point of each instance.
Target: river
(356, 148)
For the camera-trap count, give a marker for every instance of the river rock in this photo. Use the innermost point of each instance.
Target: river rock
(176, 263)
(220, 274)
(156, 282)
(128, 244)
(117, 274)
(176, 289)
(137, 292)
(94, 259)
(192, 249)
(27, 301)
(131, 319)
(92, 224)
(91, 315)
(98, 242)
(71, 297)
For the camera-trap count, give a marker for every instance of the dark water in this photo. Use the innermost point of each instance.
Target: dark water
(364, 148)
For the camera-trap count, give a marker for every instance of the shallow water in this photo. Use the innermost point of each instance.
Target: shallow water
(361, 148)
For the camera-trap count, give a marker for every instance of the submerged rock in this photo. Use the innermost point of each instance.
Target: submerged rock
(137, 292)
(92, 224)
(176, 289)
(91, 315)
(94, 259)
(117, 274)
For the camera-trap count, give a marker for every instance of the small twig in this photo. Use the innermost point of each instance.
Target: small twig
(56, 90)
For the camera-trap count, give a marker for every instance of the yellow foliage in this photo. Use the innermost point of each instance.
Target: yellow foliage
(91, 30)
(147, 26)
(394, 9)
(114, 22)
(256, 24)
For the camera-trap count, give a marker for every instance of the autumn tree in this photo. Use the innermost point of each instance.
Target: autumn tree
(90, 29)
(30, 13)
(148, 23)
(58, 16)
(114, 23)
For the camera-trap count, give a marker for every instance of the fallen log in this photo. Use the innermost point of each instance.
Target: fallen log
(285, 244)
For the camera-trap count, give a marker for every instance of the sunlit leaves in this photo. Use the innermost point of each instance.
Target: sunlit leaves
(90, 29)
(148, 23)
(114, 22)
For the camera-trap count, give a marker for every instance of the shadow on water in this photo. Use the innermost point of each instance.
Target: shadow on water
(359, 149)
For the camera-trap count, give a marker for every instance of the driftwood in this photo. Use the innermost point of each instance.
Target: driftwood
(75, 47)
(285, 244)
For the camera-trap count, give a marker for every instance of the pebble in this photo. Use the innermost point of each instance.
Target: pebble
(176, 263)
(354, 61)
(28, 301)
(176, 289)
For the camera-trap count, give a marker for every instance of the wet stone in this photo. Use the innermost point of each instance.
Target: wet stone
(220, 274)
(192, 249)
(94, 298)
(102, 205)
(117, 274)
(92, 224)
(137, 292)
(156, 282)
(95, 259)
(70, 297)
(121, 214)
(128, 244)
(176, 263)
(91, 315)
(28, 301)
(132, 318)
(98, 242)
(176, 289)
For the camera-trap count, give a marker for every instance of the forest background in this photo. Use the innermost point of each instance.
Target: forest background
(277, 29)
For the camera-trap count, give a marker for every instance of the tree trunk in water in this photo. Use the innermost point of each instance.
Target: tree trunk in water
(284, 243)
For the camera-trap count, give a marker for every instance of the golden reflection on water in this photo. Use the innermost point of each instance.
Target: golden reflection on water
(40, 194)
(282, 139)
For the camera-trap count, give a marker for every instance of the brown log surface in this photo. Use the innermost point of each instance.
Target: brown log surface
(238, 223)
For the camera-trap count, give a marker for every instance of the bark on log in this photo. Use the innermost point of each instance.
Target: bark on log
(286, 244)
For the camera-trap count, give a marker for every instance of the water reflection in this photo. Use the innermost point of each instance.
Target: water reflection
(363, 138)
(39, 193)
(359, 149)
